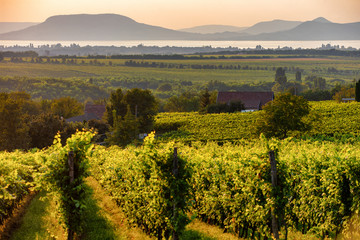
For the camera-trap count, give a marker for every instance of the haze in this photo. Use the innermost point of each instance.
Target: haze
(178, 14)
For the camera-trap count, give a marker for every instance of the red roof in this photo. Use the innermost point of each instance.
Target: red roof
(97, 110)
(251, 100)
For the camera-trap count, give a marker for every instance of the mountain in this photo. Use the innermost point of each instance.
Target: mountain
(321, 20)
(209, 29)
(318, 29)
(114, 27)
(14, 26)
(95, 27)
(271, 26)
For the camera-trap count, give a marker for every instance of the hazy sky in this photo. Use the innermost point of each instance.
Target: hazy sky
(177, 14)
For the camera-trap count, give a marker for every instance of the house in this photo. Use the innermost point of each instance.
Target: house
(91, 112)
(252, 100)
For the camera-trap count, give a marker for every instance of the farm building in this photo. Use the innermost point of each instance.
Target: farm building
(252, 100)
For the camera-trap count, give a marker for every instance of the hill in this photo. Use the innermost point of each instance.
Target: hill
(318, 29)
(271, 26)
(95, 27)
(14, 26)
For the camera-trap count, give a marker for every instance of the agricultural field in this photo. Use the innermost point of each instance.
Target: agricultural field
(219, 185)
(184, 75)
(329, 119)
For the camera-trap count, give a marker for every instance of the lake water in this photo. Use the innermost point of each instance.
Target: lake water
(181, 43)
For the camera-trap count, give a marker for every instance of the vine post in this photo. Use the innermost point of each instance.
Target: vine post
(175, 172)
(274, 220)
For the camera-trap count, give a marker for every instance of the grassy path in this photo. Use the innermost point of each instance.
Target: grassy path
(104, 221)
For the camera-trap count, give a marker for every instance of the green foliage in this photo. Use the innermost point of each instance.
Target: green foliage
(315, 82)
(231, 184)
(280, 76)
(141, 102)
(186, 102)
(125, 130)
(56, 180)
(298, 76)
(316, 95)
(205, 99)
(329, 119)
(344, 92)
(357, 91)
(13, 128)
(285, 113)
(43, 128)
(143, 183)
(17, 170)
(67, 107)
(225, 108)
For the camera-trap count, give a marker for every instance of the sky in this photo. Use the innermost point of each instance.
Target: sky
(177, 14)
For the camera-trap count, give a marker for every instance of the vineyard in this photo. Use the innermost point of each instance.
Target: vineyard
(330, 120)
(230, 185)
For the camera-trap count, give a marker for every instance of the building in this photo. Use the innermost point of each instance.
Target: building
(252, 100)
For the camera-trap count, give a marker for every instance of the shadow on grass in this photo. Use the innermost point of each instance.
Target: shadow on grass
(96, 226)
(194, 235)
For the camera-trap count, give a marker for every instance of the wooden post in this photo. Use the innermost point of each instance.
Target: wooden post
(274, 220)
(72, 177)
(175, 172)
(71, 166)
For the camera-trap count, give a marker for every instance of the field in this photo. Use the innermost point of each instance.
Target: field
(219, 185)
(234, 73)
(332, 120)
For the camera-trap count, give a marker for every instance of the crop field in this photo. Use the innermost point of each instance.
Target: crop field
(332, 119)
(257, 70)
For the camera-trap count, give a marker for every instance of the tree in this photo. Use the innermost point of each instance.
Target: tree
(115, 103)
(204, 99)
(142, 104)
(67, 107)
(125, 130)
(43, 128)
(186, 102)
(285, 113)
(357, 91)
(280, 76)
(345, 92)
(298, 76)
(13, 128)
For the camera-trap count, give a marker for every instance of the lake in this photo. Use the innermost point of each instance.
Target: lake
(181, 43)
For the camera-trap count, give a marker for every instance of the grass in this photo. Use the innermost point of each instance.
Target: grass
(40, 221)
(104, 220)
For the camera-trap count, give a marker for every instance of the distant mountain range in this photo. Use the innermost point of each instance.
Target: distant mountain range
(114, 27)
